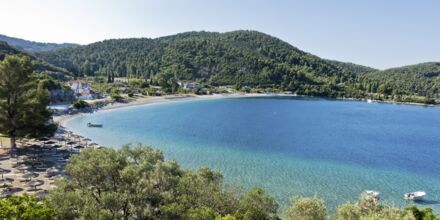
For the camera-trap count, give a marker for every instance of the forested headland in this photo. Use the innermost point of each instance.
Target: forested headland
(246, 58)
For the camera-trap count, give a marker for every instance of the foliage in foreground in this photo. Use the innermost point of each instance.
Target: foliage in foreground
(307, 208)
(137, 183)
(369, 209)
(26, 208)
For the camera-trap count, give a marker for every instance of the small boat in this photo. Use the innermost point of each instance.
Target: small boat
(415, 196)
(369, 101)
(94, 125)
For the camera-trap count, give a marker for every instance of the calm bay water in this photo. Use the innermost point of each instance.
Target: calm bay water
(290, 146)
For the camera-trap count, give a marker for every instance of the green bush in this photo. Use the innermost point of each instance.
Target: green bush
(421, 214)
(80, 104)
(256, 204)
(116, 97)
(349, 212)
(26, 208)
(307, 208)
(138, 183)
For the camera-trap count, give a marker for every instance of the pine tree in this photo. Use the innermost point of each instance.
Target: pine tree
(23, 103)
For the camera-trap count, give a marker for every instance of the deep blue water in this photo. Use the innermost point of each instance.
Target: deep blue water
(290, 146)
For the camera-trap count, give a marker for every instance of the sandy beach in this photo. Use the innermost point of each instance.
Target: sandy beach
(161, 99)
(36, 164)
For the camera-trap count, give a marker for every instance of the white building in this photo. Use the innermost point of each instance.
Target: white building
(82, 90)
(190, 85)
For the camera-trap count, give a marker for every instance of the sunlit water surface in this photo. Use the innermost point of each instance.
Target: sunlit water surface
(290, 146)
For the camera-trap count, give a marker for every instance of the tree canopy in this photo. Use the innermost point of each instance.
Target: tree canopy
(26, 207)
(248, 58)
(23, 104)
(137, 183)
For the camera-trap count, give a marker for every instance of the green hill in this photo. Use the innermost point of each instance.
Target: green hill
(246, 58)
(39, 65)
(240, 57)
(32, 46)
(5, 49)
(420, 80)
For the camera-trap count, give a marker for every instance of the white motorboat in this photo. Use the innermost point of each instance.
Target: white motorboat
(415, 196)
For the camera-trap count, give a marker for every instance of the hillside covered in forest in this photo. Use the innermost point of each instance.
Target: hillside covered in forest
(247, 58)
(32, 46)
(39, 65)
(420, 79)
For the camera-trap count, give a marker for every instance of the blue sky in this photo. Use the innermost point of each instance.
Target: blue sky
(377, 33)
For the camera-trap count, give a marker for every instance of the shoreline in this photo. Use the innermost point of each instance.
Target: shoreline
(141, 101)
(62, 119)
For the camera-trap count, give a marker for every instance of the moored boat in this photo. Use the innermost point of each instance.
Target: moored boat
(415, 196)
(94, 125)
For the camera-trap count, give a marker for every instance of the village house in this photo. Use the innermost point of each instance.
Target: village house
(82, 90)
(190, 85)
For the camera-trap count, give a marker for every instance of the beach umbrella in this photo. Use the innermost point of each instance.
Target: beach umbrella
(16, 164)
(30, 175)
(79, 147)
(5, 181)
(22, 167)
(35, 183)
(4, 193)
(52, 170)
(4, 171)
(87, 140)
(79, 137)
(49, 142)
(42, 194)
(34, 146)
(94, 145)
(56, 146)
(70, 143)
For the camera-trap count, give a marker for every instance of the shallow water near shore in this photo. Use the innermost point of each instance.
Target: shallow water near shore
(290, 146)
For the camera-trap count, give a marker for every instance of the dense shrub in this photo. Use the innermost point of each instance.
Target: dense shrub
(80, 104)
(25, 207)
(307, 208)
(137, 183)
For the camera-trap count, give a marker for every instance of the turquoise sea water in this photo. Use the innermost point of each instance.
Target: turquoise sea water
(290, 146)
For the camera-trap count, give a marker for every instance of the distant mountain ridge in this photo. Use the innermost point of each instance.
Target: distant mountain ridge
(39, 65)
(32, 46)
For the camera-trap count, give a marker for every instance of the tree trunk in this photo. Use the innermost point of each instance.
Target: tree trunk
(13, 145)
